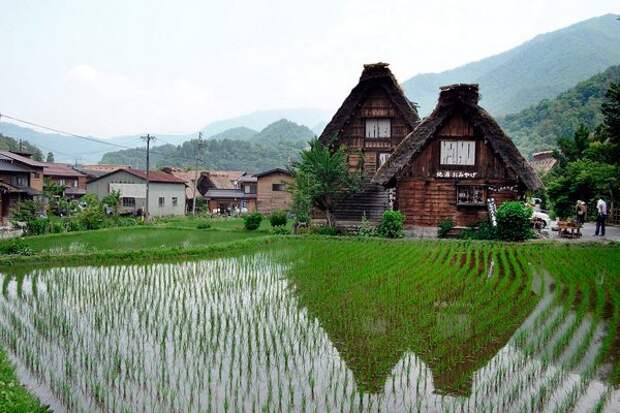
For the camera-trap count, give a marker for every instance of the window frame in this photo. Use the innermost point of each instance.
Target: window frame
(379, 164)
(278, 185)
(378, 129)
(457, 140)
(175, 201)
(161, 202)
(126, 204)
(471, 187)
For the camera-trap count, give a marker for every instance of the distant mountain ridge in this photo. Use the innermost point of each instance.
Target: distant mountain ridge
(538, 127)
(274, 146)
(538, 69)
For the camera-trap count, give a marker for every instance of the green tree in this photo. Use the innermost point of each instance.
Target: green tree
(322, 178)
(113, 201)
(611, 113)
(50, 157)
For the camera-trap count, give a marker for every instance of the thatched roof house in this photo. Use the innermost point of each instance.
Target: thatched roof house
(453, 161)
(373, 119)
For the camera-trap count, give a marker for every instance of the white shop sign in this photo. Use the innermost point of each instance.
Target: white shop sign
(456, 174)
(130, 190)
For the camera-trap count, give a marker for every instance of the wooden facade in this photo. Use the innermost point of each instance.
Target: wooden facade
(271, 191)
(454, 162)
(427, 191)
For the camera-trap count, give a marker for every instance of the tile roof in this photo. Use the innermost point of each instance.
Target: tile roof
(154, 176)
(60, 169)
(23, 159)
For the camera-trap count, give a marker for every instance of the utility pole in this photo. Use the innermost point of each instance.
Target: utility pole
(148, 138)
(199, 144)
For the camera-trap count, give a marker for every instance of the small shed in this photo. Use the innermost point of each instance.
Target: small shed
(454, 162)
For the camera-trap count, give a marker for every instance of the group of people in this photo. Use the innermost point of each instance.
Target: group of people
(601, 215)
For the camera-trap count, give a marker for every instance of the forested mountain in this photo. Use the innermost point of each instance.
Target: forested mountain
(538, 69)
(283, 130)
(538, 127)
(261, 119)
(274, 146)
(10, 144)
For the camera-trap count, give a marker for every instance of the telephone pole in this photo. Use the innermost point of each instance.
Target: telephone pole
(199, 144)
(148, 138)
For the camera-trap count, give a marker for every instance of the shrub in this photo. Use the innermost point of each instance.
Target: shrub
(324, 230)
(74, 224)
(252, 221)
(513, 222)
(203, 225)
(482, 230)
(366, 229)
(15, 246)
(56, 226)
(278, 219)
(392, 224)
(445, 225)
(91, 218)
(37, 226)
(280, 230)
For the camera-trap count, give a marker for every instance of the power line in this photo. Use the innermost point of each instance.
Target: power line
(92, 139)
(88, 138)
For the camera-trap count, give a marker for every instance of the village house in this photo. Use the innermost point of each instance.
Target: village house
(21, 178)
(166, 192)
(191, 188)
(543, 162)
(456, 164)
(271, 190)
(373, 119)
(228, 192)
(66, 176)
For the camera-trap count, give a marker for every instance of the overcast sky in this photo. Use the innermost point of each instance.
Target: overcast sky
(117, 67)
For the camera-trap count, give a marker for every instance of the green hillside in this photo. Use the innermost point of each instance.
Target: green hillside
(538, 69)
(538, 127)
(274, 146)
(283, 130)
(10, 144)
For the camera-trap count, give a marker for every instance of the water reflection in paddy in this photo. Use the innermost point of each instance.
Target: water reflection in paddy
(230, 334)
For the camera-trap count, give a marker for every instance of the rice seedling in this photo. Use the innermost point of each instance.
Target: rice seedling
(326, 325)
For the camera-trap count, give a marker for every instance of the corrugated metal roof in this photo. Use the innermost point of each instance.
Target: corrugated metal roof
(60, 169)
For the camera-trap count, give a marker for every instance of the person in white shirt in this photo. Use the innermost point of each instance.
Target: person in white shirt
(601, 208)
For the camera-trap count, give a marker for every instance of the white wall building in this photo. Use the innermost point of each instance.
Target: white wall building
(166, 192)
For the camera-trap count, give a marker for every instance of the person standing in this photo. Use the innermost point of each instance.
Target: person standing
(582, 210)
(601, 208)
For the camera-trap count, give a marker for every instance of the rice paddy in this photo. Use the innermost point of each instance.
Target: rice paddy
(327, 325)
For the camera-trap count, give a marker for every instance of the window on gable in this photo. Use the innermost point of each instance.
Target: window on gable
(383, 157)
(278, 187)
(458, 152)
(378, 128)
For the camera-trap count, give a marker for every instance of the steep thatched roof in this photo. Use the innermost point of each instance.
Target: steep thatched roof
(461, 99)
(373, 76)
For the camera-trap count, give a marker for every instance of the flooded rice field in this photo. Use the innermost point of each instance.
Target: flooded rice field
(325, 328)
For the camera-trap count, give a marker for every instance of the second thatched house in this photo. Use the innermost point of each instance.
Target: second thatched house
(456, 163)
(373, 119)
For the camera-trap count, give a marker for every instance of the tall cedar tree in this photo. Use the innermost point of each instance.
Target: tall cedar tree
(322, 178)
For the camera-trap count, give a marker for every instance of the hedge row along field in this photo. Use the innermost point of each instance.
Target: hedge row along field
(327, 325)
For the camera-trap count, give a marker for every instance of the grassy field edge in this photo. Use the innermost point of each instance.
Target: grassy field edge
(137, 255)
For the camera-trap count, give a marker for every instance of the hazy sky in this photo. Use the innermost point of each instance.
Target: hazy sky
(126, 66)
